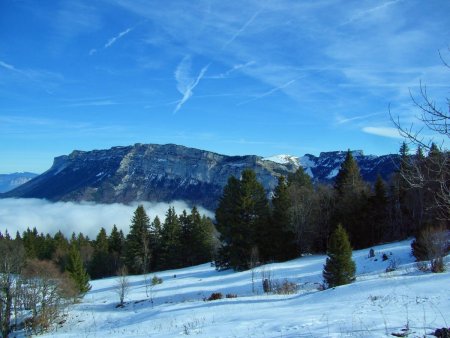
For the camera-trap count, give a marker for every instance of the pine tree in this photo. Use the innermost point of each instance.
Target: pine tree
(377, 213)
(282, 231)
(228, 223)
(138, 253)
(196, 238)
(201, 238)
(116, 242)
(255, 214)
(243, 220)
(101, 263)
(349, 177)
(300, 179)
(171, 256)
(352, 198)
(339, 268)
(155, 242)
(302, 212)
(77, 271)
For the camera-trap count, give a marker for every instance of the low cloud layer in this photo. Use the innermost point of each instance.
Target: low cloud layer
(85, 217)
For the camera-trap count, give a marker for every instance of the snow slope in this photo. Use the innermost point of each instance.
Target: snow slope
(376, 305)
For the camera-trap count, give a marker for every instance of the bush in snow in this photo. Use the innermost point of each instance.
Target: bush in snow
(284, 288)
(156, 280)
(432, 244)
(215, 296)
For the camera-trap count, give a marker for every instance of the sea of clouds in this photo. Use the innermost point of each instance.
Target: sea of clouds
(86, 217)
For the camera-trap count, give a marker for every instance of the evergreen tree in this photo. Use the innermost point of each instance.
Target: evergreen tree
(282, 231)
(137, 255)
(377, 213)
(61, 253)
(339, 268)
(228, 223)
(300, 179)
(101, 263)
(77, 271)
(255, 215)
(155, 242)
(402, 196)
(349, 177)
(116, 242)
(243, 220)
(201, 238)
(302, 211)
(352, 198)
(171, 256)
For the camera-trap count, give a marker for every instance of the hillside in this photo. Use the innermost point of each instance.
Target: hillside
(378, 304)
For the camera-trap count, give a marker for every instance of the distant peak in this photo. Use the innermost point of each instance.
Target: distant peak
(283, 159)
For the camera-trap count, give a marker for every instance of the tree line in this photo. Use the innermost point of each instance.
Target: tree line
(42, 273)
(300, 216)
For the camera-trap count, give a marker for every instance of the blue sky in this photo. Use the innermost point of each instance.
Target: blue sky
(234, 77)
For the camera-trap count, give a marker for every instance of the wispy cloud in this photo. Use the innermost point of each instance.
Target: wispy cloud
(270, 92)
(186, 83)
(97, 103)
(113, 40)
(117, 37)
(7, 66)
(383, 131)
(233, 69)
(365, 13)
(43, 79)
(343, 120)
(241, 30)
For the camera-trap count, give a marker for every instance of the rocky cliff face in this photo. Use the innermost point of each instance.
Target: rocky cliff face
(146, 172)
(150, 172)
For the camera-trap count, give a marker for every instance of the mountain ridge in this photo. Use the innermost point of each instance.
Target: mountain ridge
(13, 180)
(163, 173)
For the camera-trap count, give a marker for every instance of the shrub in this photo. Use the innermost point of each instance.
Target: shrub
(437, 265)
(284, 288)
(156, 280)
(432, 244)
(215, 296)
(267, 285)
(393, 264)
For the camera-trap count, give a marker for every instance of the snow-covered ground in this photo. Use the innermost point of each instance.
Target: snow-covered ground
(378, 304)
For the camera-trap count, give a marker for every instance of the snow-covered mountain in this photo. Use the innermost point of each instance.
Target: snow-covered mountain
(324, 168)
(388, 297)
(163, 173)
(10, 181)
(284, 159)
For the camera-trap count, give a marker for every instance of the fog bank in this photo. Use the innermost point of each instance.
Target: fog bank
(86, 217)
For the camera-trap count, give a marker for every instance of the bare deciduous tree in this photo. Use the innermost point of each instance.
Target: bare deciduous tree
(123, 285)
(435, 174)
(11, 261)
(45, 291)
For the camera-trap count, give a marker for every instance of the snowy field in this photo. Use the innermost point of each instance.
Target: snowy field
(378, 304)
